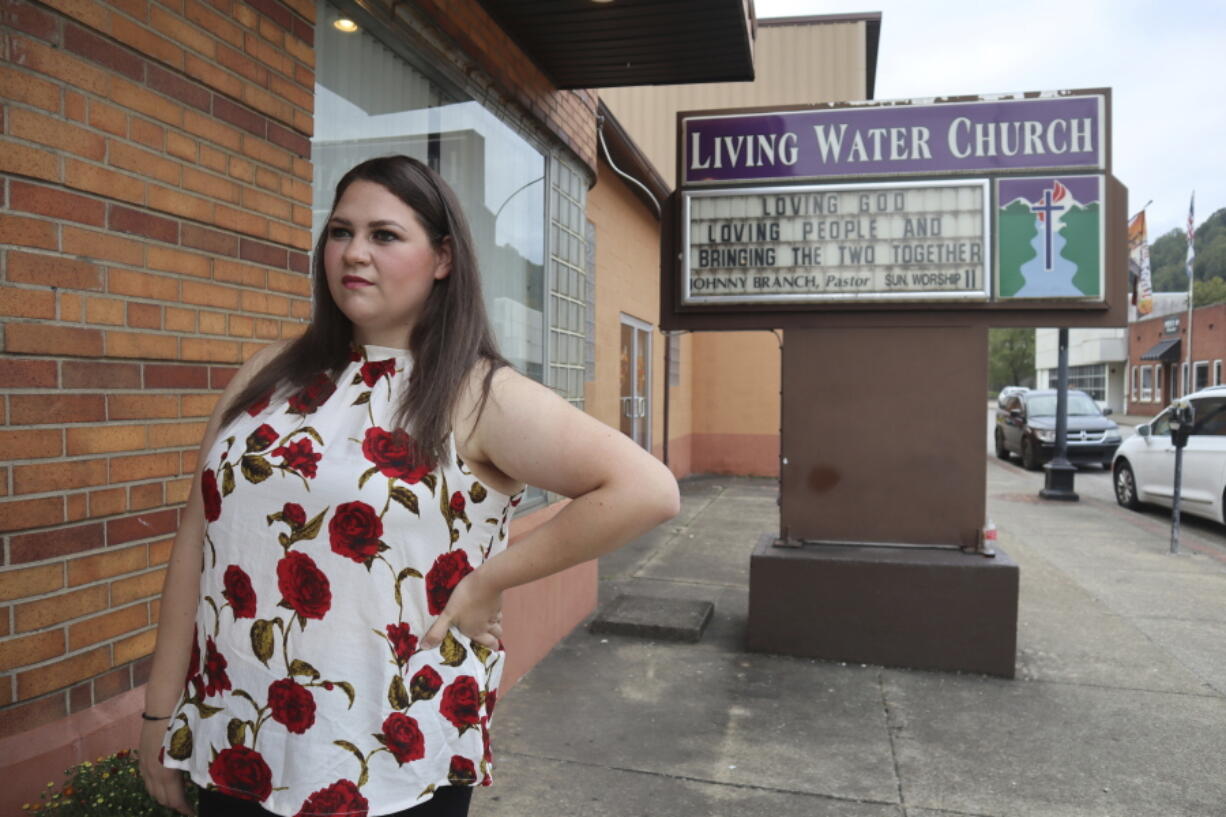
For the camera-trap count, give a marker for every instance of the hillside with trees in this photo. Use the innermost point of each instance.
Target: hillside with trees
(1168, 259)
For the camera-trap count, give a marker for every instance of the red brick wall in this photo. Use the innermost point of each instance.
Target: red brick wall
(155, 192)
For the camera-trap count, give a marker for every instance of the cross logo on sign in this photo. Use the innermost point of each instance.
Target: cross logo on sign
(1045, 212)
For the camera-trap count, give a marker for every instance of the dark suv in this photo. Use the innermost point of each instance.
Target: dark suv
(1026, 426)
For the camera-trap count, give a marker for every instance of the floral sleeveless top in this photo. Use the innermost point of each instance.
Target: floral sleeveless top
(328, 552)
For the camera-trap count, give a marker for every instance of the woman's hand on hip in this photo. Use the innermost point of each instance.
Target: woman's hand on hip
(474, 609)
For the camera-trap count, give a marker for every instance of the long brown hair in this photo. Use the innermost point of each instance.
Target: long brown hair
(452, 333)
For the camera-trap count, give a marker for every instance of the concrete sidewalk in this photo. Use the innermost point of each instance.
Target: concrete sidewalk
(1118, 710)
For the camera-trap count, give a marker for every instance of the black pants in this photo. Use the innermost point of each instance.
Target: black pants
(448, 801)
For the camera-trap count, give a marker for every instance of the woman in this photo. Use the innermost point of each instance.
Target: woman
(333, 596)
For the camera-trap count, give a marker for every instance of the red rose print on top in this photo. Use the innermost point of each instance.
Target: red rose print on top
(461, 703)
(342, 797)
(393, 453)
(216, 679)
(284, 485)
(239, 592)
(486, 753)
(313, 395)
(194, 681)
(293, 514)
(448, 570)
(304, 587)
(462, 771)
(372, 370)
(261, 438)
(425, 684)
(292, 705)
(403, 642)
(241, 772)
(300, 456)
(403, 738)
(212, 497)
(355, 531)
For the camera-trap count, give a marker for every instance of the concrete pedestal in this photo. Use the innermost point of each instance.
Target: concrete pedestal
(899, 607)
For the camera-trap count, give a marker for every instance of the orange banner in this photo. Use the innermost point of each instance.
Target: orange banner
(1138, 264)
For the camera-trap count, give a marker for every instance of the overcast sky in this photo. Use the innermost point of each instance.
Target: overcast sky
(1164, 61)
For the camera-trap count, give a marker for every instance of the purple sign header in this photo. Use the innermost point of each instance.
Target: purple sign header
(1047, 132)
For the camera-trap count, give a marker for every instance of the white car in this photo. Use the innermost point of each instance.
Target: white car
(1009, 391)
(1144, 465)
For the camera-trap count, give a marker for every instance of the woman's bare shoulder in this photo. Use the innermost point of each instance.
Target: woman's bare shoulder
(505, 383)
(473, 417)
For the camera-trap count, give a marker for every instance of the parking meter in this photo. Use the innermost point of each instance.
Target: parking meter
(1182, 418)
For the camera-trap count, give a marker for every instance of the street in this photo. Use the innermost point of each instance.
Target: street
(1094, 484)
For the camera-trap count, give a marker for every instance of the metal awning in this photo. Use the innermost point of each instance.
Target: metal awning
(585, 44)
(1166, 351)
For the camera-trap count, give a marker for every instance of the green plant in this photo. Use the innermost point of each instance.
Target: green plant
(107, 787)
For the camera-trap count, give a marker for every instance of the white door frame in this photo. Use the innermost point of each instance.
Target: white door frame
(641, 404)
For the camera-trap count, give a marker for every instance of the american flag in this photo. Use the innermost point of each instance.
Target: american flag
(1191, 238)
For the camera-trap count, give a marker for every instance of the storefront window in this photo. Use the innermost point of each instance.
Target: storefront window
(1201, 375)
(370, 101)
(1090, 379)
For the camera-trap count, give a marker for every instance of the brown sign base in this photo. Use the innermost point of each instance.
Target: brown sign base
(899, 607)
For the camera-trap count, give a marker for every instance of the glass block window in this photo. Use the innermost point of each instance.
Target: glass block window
(568, 282)
(590, 264)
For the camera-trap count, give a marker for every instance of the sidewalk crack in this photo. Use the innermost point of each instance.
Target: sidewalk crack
(705, 780)
(891, 729)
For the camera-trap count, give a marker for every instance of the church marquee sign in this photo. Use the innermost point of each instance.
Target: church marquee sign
(886, 241)
(989, 201)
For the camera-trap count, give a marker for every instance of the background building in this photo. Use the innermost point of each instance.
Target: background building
(163, 168)
(1158, 357)
(1098, 359)
(799, 61)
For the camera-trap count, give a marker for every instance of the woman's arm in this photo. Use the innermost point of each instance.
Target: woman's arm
(180, 597)
(618, 492)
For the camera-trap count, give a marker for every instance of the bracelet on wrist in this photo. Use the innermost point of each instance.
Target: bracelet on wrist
(146, 716)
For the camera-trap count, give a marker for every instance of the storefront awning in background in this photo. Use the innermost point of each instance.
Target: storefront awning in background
(1166, 351)
(586, 44)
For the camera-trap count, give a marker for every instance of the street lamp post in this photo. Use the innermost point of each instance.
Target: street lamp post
(1058, 482)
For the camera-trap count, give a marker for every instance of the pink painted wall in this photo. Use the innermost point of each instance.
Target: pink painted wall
(35, 758)
(537, 616)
